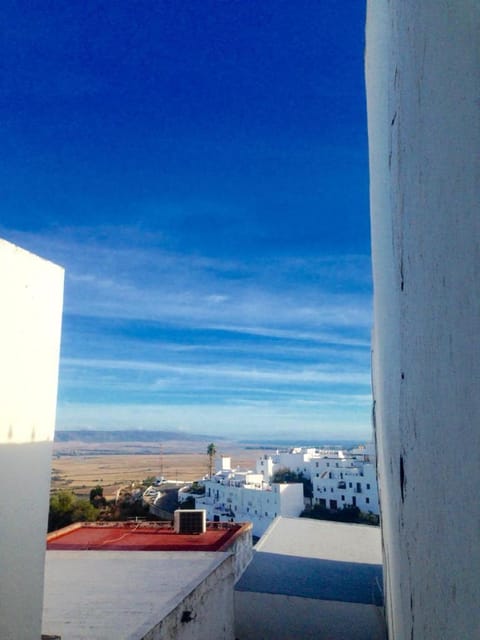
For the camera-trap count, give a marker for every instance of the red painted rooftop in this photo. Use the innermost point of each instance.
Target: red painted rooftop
(141, 536)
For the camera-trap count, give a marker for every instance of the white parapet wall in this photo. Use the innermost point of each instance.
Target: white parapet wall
(31, 294)
(423, 92)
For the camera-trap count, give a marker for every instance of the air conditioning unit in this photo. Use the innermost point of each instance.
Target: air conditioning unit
(190, 521)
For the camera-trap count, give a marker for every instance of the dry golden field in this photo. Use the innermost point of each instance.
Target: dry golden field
(80, 473)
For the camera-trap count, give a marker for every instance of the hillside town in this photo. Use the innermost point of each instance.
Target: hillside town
(337, 479)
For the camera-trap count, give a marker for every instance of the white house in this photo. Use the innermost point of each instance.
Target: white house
(240, 496)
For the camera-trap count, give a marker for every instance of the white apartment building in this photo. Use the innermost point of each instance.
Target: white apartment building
(339, 477)
(338, 483)
(244, 496)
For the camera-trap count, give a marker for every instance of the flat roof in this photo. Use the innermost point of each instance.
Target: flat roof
(345, 542)
(141, 536)
(317, 559)
(113, 594)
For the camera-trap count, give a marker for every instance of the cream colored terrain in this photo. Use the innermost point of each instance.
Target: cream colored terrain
(80, 473)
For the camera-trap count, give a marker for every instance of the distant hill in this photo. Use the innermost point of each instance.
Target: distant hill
(127, 435)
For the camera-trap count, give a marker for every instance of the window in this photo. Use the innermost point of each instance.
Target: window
(349, 485)
(331, 489)
(328, 464)
(316, 464)
(367, 500)
(368, 485)
(333, 504)
(323, 502)
(343, 498)
(318, 475)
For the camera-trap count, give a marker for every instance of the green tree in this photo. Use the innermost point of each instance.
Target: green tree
(197, 488)
(211, 453)
(348, 513)
(66, 508)
(96, 497)
(84, 511)
(61, 507)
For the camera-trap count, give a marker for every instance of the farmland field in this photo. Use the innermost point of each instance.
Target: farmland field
(83, 468)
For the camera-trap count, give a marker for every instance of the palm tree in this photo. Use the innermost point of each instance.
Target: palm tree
(211, 453)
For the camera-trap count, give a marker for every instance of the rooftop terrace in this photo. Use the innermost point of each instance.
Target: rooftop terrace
(141, 536)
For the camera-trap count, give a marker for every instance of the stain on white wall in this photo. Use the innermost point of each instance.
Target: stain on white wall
(423, 91)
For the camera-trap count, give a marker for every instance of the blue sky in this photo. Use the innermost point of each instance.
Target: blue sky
(200, 170)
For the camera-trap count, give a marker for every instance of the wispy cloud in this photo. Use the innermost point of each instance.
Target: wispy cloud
(325, 374)
(111, 277)
(288, 337)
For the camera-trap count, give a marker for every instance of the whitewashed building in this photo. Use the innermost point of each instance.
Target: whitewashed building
(338, 483)
(339, 477)
(244, 496)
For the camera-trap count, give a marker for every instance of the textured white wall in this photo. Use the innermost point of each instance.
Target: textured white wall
(423, 91)
(206, 613)
(31, 292)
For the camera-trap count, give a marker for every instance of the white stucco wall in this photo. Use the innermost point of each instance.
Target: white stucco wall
(206, 613)
(291, 499)
(31, 292)
(423, 89)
